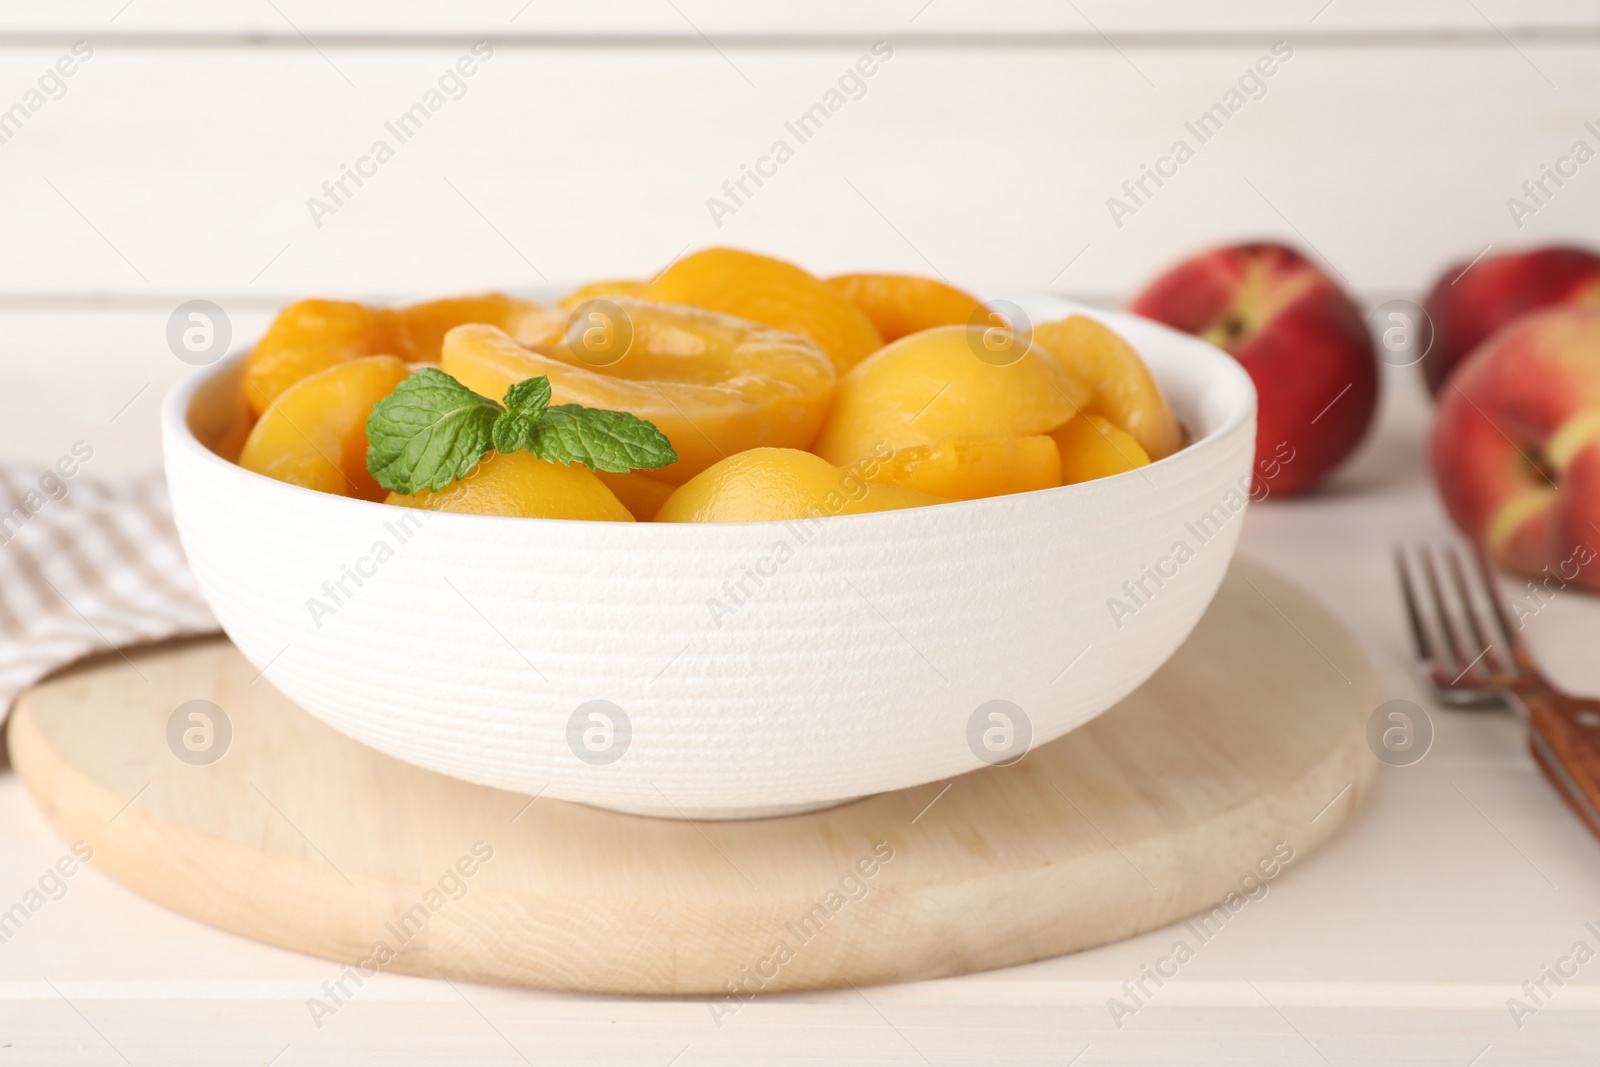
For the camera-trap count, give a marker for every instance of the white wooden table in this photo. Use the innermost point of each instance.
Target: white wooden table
(177, 165)
(1399, 943)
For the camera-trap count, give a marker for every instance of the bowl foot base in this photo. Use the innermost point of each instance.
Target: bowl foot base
(770, 811)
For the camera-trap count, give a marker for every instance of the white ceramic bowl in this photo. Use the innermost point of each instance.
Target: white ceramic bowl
(759, 668)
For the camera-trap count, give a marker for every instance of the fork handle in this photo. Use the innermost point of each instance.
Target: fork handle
(1564, 737)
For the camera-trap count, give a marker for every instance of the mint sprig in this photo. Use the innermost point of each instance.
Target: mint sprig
(525, 401)
(601, 440)
(432, 431)
(428, 433)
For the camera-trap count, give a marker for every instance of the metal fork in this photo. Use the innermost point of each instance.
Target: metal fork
(1472, 657)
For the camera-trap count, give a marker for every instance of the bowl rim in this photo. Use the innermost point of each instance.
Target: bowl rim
(176, 433)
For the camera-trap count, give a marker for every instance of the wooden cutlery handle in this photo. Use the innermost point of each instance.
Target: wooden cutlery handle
(1564, 736)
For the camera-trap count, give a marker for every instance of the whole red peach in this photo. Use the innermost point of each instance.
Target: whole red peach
(1467, 304)
(1516, 445)
(1302, 340)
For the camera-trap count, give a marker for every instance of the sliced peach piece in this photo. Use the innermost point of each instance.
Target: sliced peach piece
(418, 330)
(769, 484)
(773, 293)
(1124, 392)
(903, 304)
(715, 385)
(934, 385)
(310, 336)
(1093, 447)
(315, 433)
(602, 290)
(523, 485)
(966, 468)
(313, 335)
(641, 495)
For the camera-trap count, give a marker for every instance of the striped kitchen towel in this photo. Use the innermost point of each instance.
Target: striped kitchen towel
(86, 567)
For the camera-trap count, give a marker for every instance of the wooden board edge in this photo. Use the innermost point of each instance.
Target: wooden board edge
(149, 856)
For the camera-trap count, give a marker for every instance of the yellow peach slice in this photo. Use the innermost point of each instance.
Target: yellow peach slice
(773, 293)
(1124, 392)
(966, 468)
(310, 336)
(935, 384)
(715, 385)
(523, 485)
(315, 433)
(767, 484)
(902, 304)
(418, 330)
(1093, 447)
(640, 494)
(601, 290)
(313, 335)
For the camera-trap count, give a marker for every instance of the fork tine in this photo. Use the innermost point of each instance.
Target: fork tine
(1471, 611)
(1441, 608)
(1519, 651)
(1419, 635)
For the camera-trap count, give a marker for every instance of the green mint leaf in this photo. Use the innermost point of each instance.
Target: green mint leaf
(428, 433)
(527, 398)
(601, 440)
(510, 432)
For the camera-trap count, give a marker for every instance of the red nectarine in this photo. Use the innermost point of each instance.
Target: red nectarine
(1468, 307)
(1302, 340)
(1516, 446)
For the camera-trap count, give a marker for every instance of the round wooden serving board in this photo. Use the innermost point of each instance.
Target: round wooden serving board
(1247, 747)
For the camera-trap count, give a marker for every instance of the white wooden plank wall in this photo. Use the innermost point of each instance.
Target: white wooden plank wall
(177, 165)
(178, 159)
